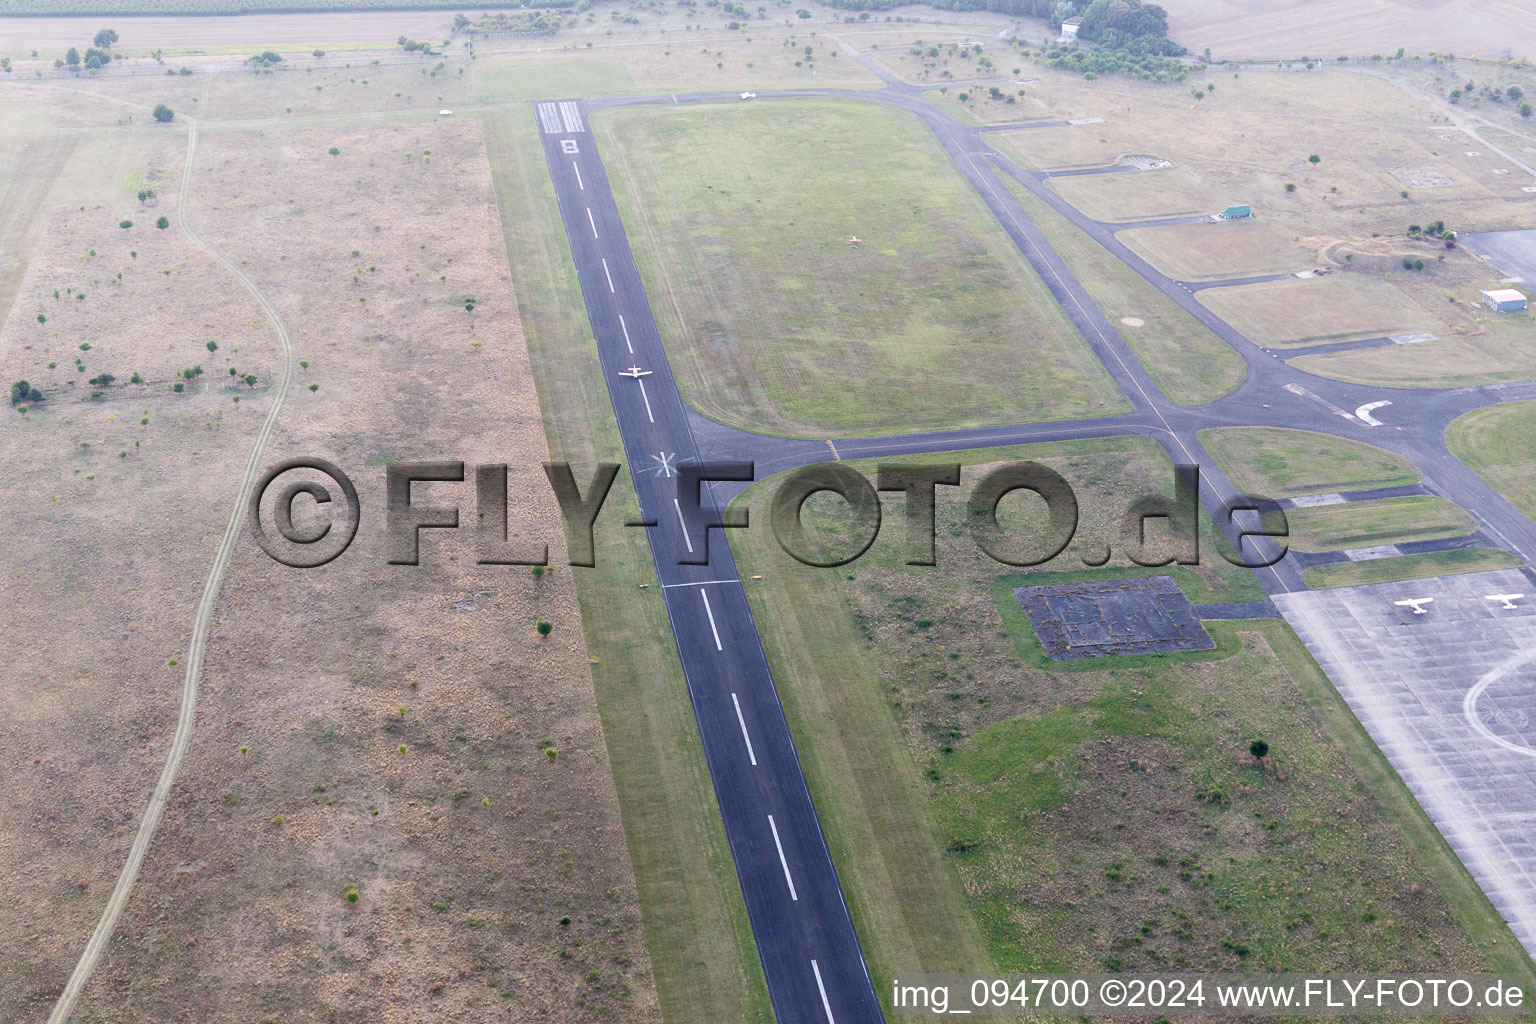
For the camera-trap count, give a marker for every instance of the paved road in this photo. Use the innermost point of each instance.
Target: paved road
(805, 936)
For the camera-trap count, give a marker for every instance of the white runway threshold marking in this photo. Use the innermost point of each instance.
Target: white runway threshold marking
(684, 524)
(743, 723)
(711, 613)
(625, 329)
(591, 222)
(570, 113)
(823, 990)
(606, 274)
(549, 118)
(578, 178)
(785, 864)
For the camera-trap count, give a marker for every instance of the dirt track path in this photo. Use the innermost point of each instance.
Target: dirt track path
(183, 737)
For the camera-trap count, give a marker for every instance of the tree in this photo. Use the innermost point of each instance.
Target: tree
(92, 62)
(334, 151)
(1525, 110)
(146, 193)
(1314, 159)
(1515, 93)
(1259, 749)
(163, 113)
(125, 225)
(545, 628)
(802, 13)
(21, 391)
(318, 53)
(250, 380)
(105, 38)
(162, 223)
(72, 57)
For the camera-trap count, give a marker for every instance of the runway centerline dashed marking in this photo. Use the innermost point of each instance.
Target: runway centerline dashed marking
(607, 274)
(825, 1005)
(793, 895)
(647, 400)
(751, 756)
(625, 329)
(578, 178)
(711, 613)
(592, 222)
(683, 523)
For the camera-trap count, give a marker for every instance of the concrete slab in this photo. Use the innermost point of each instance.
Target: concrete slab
(1450, 697)
(1317, 500)
(1369, 554)
(1141, 615)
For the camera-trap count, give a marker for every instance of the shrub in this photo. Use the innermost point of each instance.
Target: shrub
(163, 223)
(1259, 749)
(163, 113)
(545, 628)
(126, 224)
(212, 345)
(1290, 186)
(178, 387)
(334, 151)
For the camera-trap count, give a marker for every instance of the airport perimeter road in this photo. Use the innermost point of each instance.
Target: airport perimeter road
(805, 937)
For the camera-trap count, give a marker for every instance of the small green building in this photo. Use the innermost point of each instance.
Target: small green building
(1236, 212)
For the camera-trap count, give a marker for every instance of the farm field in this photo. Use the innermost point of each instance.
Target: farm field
(1287, 30)
(1141, 805)
(1282, 463)
(907, 299)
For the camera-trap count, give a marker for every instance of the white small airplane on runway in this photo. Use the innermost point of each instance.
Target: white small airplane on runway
(635, 372)
(1508, 599)
(1415, 603)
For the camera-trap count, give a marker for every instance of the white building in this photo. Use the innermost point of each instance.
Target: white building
(1069, 29)
(1504, 300)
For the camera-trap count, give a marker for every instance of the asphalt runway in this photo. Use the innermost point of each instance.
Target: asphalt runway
(805, 937)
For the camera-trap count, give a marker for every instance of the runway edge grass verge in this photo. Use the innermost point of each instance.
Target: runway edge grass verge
(702, 950)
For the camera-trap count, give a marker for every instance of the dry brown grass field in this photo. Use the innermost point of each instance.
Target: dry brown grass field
(492, 876)
(1292, 28)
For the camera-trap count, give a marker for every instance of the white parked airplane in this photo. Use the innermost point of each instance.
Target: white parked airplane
(1508, 599)
(1414, 603)
(635, 372)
